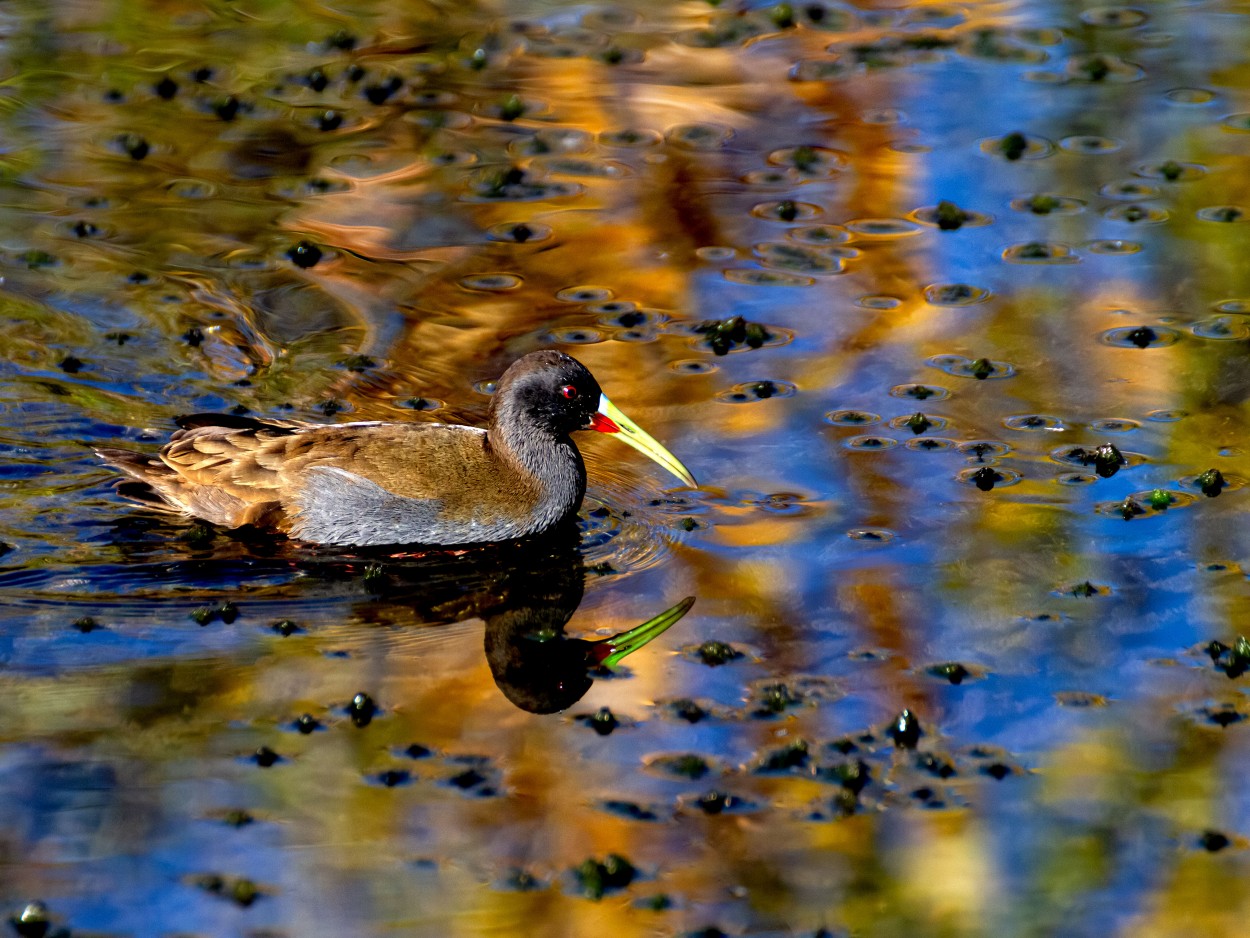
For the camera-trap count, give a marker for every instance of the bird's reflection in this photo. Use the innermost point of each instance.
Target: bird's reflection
(525, 593)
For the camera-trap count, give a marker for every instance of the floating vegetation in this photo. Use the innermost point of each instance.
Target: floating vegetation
(723, 336)
(595, 879)
(879, 302)
(1018, 146)
(1136, 214)
(575, 336)
(1233, 660)
(947, 216)
(954, 294)
(693, 366)
(1101, 67)
(1040, 252)
(1113, 17)
(1105, 459)
(1224, 214)
(1142, 337)
(1091, 144)
(603, 721)
(519, 232)
(919, 423)
(815, 161)
(631, 138)
(954, 672)
(882, 228)
(987, 478)
(1046, 204)
(1112, 246)
(852, 418)
(514, 184)
(1033, 422)
(871, 443)
(683, 765)
(1211, 483)
(714, 653)
(979, 368)
(1129, 190)
(491, 283)
(1221, 328)
(699, 136)
(798, 257)
(905, 730)
(981, 450)
(920, 392)
(871, 535)
(786, 210)
(827, 69)
(584, 294)
(767, 278)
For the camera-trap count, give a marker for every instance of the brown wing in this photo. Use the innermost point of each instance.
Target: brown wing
(236, 471)
(224, 469)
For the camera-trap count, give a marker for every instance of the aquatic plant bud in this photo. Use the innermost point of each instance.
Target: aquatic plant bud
(949, 216)
(1014, 145)
(982, 368)
(1107, 460)
(918, 423)
(1159, 500)
(305, 254)
(33, 921)
(986, 478)
(1211, 482)
(362, 709)
(905, 730)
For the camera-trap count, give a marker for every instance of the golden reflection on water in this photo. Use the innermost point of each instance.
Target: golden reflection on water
(152, 252)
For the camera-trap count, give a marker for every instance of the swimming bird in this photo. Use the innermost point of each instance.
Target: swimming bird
(373, 483)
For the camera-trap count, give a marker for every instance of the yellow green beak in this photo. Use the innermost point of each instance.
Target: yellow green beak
(609, 651)
(610, 419)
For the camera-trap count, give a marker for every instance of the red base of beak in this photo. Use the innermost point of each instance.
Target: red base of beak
(604, 424)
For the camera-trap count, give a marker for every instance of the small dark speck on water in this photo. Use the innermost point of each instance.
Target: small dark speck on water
(986, 478)
(603, 721)
(265, 757)
(71, 365)
(950, 216)
(1213, 841)
(307, 723)
(1211, 482)
(305, 254)
(194, 336)
(1142, 336)
(86, 624)
(905, 730)
(952, 671)
(285, 627)
(33, 921)
(982, 368)
(713, 653)
(362, 709)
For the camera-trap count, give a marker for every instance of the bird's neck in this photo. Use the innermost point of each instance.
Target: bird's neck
(547, 461)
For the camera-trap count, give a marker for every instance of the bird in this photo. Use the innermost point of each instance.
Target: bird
(375, 483)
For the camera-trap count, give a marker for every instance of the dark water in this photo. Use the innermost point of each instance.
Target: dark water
(1024, 222)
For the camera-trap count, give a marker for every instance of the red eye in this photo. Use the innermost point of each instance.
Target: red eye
(568, 392)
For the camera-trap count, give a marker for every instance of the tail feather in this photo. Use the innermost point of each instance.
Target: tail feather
(146, 473)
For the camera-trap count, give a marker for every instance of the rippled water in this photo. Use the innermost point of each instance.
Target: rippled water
(959, 557)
